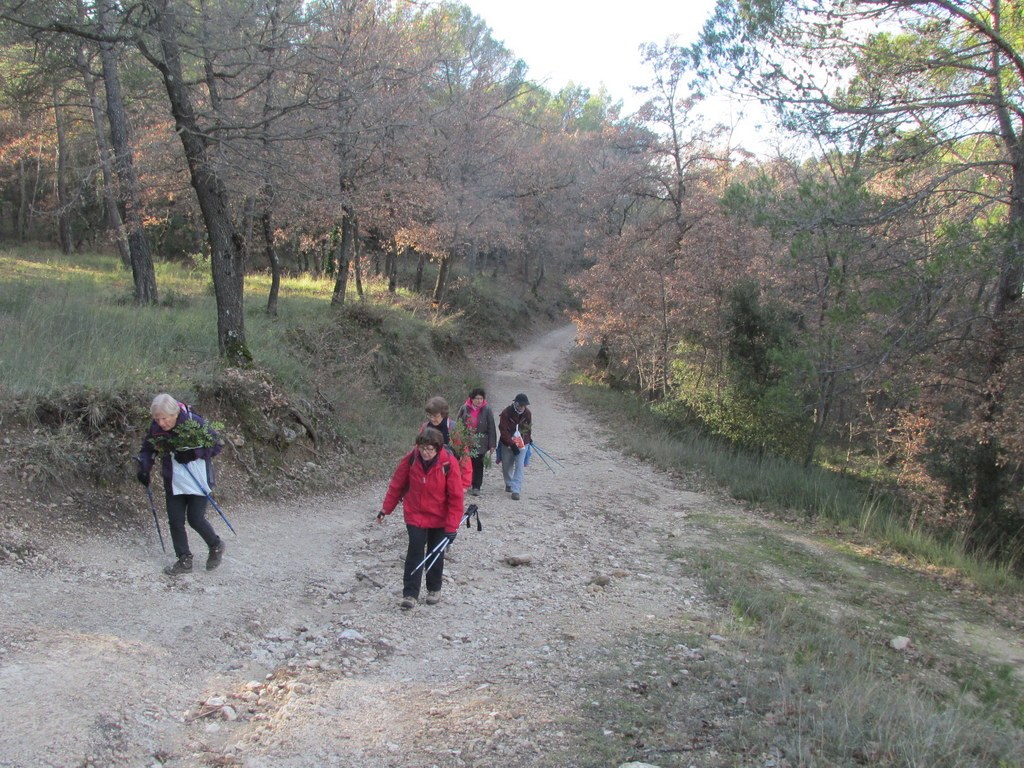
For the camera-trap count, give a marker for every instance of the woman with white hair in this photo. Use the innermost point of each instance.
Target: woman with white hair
(187, 472)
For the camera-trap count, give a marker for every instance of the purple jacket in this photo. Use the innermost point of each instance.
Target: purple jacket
(147, 455)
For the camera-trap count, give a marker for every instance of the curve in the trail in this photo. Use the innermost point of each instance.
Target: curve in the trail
(295, 653)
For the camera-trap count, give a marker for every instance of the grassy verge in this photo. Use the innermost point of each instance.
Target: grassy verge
(81, 360)
(803, 671)
(808, 668)
(787, 489)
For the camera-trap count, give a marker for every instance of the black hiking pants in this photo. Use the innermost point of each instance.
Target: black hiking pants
(421, 541)
(478, 471)
(191, 509)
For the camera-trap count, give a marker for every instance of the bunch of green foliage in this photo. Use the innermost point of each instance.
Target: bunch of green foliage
(189, 434)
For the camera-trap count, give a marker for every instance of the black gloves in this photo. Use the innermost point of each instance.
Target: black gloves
(143, 477)
(515, 449)
(184, 457)
(451, 537)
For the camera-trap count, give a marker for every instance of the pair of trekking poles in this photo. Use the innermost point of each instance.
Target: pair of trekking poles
(472, 511)
(206, 492)
(433, 555)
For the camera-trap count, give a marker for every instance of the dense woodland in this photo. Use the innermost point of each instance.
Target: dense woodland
(852, 302)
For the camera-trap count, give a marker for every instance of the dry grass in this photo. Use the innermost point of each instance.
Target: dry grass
(805, 673)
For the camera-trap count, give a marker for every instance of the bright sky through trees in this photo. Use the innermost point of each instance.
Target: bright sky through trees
(591, 44)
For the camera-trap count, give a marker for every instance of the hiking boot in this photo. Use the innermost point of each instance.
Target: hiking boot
(215, 556)
(408, 603)
(474, 492)
(508, 489)
(433, 596)
(182, 565)
(515, 497)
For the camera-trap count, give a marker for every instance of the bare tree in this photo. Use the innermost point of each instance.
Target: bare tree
(227, 248)
(143, 273)
(934, 90)
(103, 151)
(50, 21)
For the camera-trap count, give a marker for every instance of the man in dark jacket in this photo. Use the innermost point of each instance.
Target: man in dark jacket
(515, 428)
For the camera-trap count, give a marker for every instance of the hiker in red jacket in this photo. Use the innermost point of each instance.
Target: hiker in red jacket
(428, 482)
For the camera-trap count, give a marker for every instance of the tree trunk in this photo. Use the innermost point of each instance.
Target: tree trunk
(538, 276)
(63, 198)
(22, 223)
(358, 264)
(420, 266)
(143, 273)
(441, 284)
(110, 207)
(269, 192)
(391, 265)
(991, 522)
(273, 259)
(103, 152)
(227, 250)
(345, 250)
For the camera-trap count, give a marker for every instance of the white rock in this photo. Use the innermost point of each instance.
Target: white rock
(900, 643)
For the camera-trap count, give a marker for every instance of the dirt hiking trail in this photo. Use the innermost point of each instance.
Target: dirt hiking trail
(295, 652)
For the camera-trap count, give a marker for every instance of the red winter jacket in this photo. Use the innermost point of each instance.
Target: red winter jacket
(465, 463)
(430, 499)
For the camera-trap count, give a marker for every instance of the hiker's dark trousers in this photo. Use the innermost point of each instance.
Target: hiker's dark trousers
(478, 471)
(192, 509)
(421, 541)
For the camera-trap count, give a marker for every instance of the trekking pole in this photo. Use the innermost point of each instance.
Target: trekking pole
(544, 453)
(441, 546)
(437, 556)
(546, 463)
(152, 506)
(472, 511)
(208, 496)
(444, 543)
